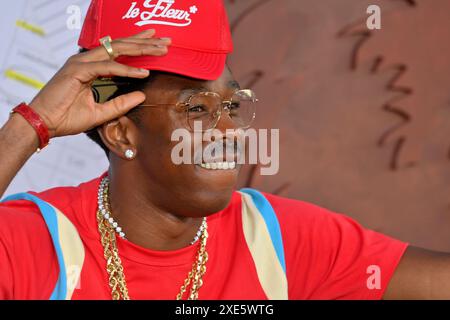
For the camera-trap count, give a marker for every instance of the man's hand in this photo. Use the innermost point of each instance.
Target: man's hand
(66, 103)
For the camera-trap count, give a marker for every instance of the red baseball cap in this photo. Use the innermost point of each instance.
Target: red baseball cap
(200, 33)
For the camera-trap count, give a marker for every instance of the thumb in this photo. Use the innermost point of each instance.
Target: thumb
(119, 106)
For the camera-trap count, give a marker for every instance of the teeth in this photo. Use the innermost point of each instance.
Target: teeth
(219, 165)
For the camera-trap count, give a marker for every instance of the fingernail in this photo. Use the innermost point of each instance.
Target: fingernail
(165, 38)
(140, 70)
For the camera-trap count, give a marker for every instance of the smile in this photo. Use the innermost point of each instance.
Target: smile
(219, 165)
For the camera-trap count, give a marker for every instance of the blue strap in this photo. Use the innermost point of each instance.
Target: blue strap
(273, 225)
(49, 215)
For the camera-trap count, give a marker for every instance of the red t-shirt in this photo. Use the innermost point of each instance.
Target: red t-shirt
(328, 255)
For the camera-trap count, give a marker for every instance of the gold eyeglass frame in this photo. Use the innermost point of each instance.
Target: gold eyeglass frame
(112, 87)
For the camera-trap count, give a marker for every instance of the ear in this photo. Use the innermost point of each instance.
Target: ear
(119, 135)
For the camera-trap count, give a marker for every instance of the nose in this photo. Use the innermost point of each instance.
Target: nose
(225, 121)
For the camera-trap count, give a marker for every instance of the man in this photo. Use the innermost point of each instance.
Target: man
(152, 229)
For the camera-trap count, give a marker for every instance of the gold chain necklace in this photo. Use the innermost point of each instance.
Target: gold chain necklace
(114, 268)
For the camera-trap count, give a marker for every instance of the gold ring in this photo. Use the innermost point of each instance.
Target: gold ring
(106, 43)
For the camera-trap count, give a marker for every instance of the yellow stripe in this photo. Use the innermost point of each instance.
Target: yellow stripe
(270, 272)
(11, 74)
(30, 27)
(72, 249)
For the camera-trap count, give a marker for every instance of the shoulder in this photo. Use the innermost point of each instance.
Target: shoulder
(292, 208)
(300, 223)
(310, 227)
(27, 253)
(73, 202)
(20, 218)
(294, 213)
(21, 221)
(23, 217)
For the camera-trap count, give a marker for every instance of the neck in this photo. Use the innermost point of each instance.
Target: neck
(144, 223)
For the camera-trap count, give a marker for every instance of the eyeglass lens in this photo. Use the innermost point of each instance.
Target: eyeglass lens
(206, 108)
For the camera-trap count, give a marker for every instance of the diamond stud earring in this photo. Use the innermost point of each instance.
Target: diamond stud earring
(129, 154)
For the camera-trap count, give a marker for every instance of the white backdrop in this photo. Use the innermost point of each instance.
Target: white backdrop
(35, 43)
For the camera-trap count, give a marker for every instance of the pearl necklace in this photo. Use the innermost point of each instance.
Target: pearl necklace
(107, 214)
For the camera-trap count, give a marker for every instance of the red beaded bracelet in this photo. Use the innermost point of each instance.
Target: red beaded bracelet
(36, 122)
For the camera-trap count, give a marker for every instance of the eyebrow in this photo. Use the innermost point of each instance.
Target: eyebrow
(188, 91)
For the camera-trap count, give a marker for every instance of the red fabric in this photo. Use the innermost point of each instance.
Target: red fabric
(200, 33)
(36, 122)
(327, 254)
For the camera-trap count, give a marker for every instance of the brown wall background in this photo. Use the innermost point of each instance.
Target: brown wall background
(364, 115)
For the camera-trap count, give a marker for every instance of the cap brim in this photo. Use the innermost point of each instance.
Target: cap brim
(194, 64)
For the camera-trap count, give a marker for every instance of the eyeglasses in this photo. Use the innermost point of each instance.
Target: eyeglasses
(203, 109)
